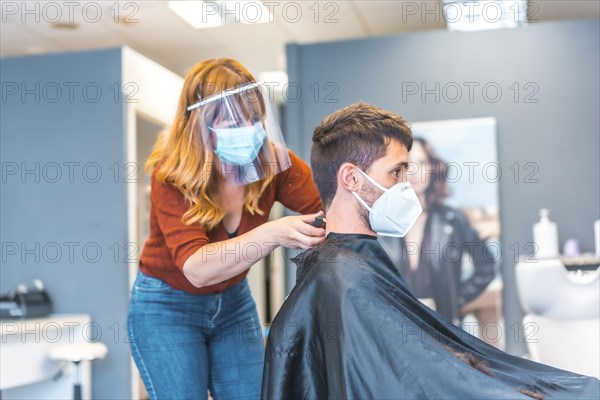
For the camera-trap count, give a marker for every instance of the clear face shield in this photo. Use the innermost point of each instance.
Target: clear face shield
(241, 128)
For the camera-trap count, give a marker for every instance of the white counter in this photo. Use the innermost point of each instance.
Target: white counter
(25, 368)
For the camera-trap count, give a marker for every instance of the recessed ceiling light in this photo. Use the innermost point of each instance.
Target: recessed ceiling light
(484, 14)
(212, 14)
(195, 14)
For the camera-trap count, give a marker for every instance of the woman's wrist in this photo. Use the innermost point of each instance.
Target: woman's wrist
(270, 233)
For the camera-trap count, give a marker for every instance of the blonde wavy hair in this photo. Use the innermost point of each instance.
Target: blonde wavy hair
(180, 156)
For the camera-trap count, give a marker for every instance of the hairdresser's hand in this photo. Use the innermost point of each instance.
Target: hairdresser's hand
(296, 232)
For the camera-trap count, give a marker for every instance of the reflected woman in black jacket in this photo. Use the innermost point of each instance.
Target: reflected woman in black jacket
(430, 256)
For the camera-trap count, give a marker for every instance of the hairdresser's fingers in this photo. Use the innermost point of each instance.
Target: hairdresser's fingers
(309, 218)
(308, 241)
(307, 229)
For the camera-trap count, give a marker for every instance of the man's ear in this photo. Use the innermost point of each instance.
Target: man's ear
(348, 177)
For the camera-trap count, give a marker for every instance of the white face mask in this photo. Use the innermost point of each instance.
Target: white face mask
(395, 211)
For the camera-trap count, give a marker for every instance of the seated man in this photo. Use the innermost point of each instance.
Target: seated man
(351, 328)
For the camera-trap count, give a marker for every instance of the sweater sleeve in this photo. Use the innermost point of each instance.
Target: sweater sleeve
(169, 205)
(295, 188)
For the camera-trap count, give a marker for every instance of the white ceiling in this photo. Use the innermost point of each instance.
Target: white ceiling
(163, 36)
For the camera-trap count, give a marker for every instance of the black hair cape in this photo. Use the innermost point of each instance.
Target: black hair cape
(351, 329)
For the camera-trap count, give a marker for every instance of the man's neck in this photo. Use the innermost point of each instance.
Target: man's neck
(343, 218)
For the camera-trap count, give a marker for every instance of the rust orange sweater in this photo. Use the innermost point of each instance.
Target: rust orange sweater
(171, 241)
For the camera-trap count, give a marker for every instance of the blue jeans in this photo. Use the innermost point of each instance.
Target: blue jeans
(185, 344)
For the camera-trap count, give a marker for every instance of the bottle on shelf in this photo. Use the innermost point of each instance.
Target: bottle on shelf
(545, 236)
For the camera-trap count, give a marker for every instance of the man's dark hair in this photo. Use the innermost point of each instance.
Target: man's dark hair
(357, 134)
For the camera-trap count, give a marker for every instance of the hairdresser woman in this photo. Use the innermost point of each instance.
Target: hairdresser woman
(216, 173)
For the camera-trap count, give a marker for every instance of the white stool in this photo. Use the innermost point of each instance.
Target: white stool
(75, 353)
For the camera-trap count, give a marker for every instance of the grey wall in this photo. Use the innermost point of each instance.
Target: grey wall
(44, 212)
(559, 133)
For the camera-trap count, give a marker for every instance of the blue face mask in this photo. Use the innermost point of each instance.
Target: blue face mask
(239, 146)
